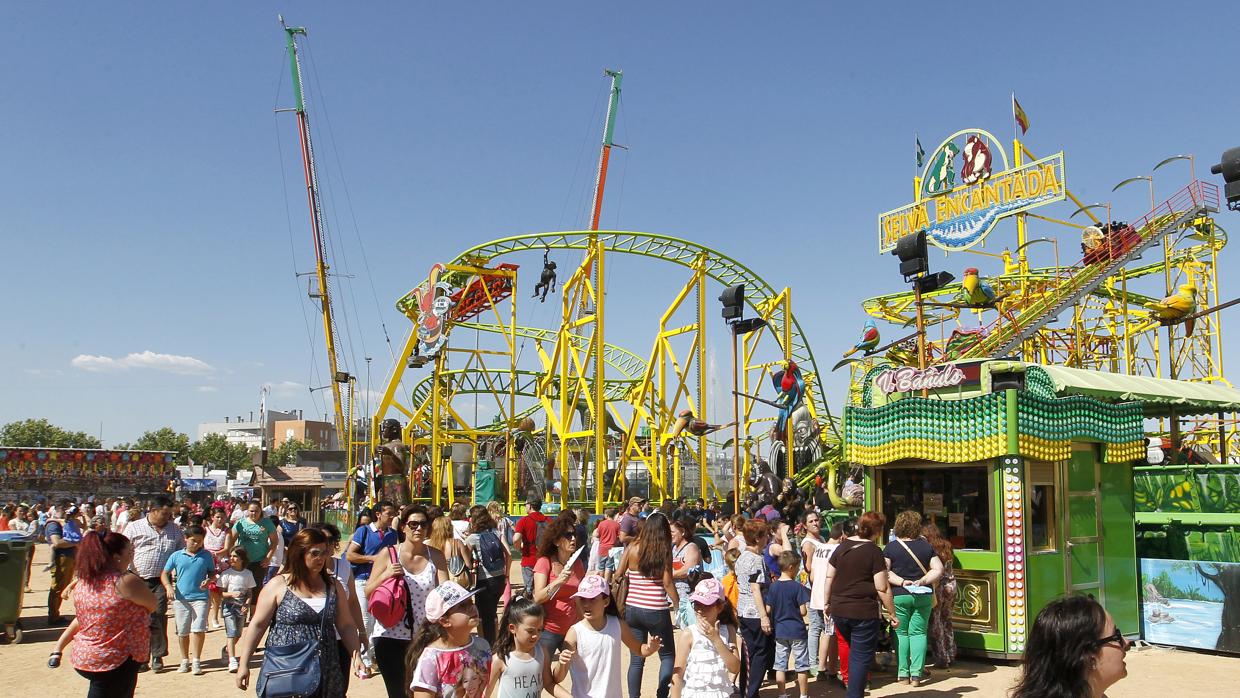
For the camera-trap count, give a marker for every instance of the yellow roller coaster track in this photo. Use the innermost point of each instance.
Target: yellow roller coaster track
(718, 267)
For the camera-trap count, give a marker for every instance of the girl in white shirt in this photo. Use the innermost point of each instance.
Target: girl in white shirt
(707, 651)
(591, 654)
(518, 667)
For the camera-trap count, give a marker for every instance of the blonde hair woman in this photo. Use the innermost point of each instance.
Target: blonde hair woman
(460, 560)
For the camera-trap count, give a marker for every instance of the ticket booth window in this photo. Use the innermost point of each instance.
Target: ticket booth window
(957, 499)
(1042, 511)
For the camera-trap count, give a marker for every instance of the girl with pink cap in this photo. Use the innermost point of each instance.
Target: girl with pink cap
(591, 654)
(446, 660)
(707, 651)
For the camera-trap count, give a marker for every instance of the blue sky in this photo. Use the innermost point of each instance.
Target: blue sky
(147, 228)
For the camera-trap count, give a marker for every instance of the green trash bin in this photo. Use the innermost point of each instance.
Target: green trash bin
(15, 550)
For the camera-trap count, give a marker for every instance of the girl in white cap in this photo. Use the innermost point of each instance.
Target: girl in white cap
(707, 651)
(591, 654)
(446, 660)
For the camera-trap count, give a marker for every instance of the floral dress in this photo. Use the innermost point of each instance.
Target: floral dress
(295, 621)
(942, 637)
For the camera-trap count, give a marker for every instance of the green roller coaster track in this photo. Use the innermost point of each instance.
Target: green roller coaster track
(474, 381)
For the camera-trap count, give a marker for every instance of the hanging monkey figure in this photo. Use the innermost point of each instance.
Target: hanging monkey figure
(547, 280)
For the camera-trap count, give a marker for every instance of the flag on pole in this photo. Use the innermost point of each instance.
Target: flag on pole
(1019, 116)
(921, 153)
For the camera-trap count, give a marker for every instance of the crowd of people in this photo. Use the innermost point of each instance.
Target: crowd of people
(422, 598)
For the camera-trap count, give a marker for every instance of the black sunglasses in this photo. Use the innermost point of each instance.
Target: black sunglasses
(570, 534)
(417, 523)
(1117, 636)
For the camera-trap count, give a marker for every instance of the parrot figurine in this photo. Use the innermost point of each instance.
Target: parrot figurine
(869, 339)
(976, 292)
(791, 387)
(1176, 306)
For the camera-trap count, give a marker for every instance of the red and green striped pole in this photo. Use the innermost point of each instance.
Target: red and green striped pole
(612, 102)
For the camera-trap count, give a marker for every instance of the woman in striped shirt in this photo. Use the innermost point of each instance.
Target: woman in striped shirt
(651, 596)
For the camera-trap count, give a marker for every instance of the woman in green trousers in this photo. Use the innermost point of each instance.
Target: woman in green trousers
(913, 569)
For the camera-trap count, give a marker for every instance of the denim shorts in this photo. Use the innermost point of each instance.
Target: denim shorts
(234, 619)
(191, 616)
(800, 655)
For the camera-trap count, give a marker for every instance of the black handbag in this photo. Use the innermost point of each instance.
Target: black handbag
(290, 671)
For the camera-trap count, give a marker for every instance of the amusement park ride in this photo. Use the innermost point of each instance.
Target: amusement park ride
(587, 422)
(1135, 298)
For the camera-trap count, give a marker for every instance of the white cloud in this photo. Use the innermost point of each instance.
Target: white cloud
(208, 389)
(285, 389)
(44, 372)
(168, 363)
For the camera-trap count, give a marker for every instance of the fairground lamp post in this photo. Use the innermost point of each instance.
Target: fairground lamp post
(733, 299)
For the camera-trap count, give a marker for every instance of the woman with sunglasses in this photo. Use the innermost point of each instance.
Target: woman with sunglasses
(555, 582)
(299, 605)
(291, 523)
(425, 569)
(1074, 650)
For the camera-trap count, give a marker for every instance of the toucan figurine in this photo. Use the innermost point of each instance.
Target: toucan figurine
(1176, 306)
(693, 425)
(977, 293)
(869, 339)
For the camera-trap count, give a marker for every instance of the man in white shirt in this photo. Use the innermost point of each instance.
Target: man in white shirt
(154, 540)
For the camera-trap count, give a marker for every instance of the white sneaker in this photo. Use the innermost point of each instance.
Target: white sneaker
(197, 668)
(232, 665)
(184, 668)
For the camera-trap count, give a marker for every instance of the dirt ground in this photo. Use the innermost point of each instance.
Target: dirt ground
(1153, 672)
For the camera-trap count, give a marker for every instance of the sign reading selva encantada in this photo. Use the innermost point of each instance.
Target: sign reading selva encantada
(959, 203)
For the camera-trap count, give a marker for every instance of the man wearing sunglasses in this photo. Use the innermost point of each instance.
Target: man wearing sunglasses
(368, 544)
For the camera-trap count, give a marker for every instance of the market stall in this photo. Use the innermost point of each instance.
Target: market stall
(32, 473)
(302, 485)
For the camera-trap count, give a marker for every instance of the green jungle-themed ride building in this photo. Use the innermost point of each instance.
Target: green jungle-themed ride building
(1029, 471)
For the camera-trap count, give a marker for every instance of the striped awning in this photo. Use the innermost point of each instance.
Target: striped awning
(1159, 396)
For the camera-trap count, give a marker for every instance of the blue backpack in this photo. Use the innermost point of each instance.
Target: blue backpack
(491, 552)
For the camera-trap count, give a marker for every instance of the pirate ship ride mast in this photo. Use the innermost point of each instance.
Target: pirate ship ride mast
(336, 376)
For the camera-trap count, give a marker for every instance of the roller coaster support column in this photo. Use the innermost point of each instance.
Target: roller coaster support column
(1022, 260)
(600, 366)
(785, 342)
(608, 129)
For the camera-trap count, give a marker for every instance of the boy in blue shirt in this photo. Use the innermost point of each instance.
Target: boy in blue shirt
(191, 569)
(786, 600)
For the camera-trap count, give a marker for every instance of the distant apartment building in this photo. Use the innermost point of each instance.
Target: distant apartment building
(322, 434)
(248, 432)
